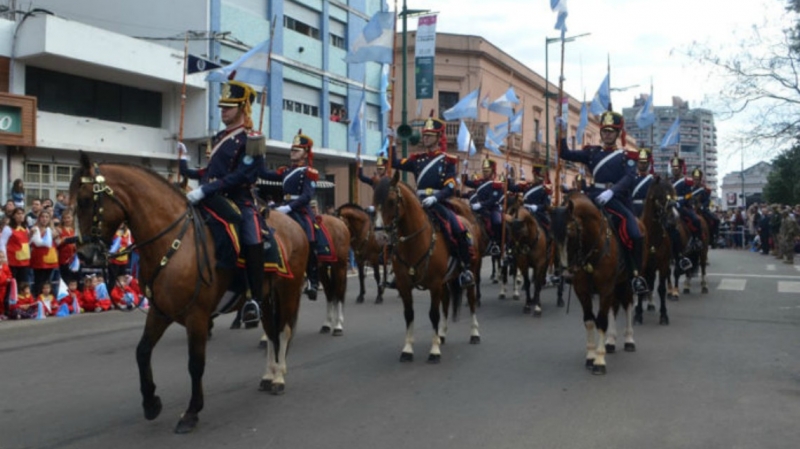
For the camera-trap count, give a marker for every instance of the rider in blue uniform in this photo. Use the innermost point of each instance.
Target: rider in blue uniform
(642, 181)
(231, 171)
(435, 173)
(380, 172)
(536, 196)
(683, 189)
(701, 195)
(299, 185)
(613, 181)
(487, 196)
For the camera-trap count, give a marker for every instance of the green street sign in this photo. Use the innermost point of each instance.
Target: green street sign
(10, 120)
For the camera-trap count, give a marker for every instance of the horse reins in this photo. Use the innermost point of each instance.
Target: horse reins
(583, 263)
(100, 190)
(395, 236)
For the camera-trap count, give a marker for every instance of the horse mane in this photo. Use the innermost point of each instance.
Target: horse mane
(381, 191)
(580, 203)
(356, 206)
(659, 188)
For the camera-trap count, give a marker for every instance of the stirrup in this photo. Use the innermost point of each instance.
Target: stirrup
(685, 264)
(311, 292)
(251, 313)
(639, 285)
(494, 250)
(465, 279)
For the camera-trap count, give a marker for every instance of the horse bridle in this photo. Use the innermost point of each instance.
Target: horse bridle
(396, 239)
(584, 262)
(101, 190)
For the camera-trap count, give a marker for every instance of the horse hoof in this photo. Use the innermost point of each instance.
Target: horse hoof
(599, 370)
(277, 389)
(187, 423)
(610, 349)
(630, 347)
(515, 297)
(494, 281)
(338, 332)
(704, 290)
(475, 340)
(537, 313)
(379, 300)
(262, 344)
(526, 309)
(360, 299)
(152, 408)
(589, 363)
(434, 358)
(325, 330)
(251, 325)
(637, 319)
(265, 385)
(501, 296)
(686, 291)
(664, 321)
(406, 357)
(560, 302)
(651, 308)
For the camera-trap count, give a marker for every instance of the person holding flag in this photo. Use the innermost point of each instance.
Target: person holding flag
(236, 154)
(613, 181)
(435, 173)
(486, 201)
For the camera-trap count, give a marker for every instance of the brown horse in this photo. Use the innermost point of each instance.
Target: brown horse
(698, 257)
(366, 248)
(480, 238)
(656, 217)
(421, 260)
(178, 270)
(589, 249)
(333, 275)
(528, 243)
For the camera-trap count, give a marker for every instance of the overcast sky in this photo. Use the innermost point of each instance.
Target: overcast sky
(645, 39)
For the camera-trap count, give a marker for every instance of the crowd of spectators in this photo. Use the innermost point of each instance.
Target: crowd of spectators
(40, 273)
(766, 228)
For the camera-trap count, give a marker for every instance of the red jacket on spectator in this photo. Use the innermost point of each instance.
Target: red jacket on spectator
(88, 301)
(5, 277)
(18, 248)
(66, 251)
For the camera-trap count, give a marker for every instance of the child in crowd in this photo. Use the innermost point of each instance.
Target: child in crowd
(5, 278)
(74, 297)
(101, 293)
(89, 303)
(47, 298)
(126, 293)
(26, 305)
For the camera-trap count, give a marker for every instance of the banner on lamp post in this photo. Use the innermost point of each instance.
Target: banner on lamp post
(424, 53)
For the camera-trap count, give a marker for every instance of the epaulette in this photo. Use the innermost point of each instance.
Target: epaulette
(281, 170)
(256, 144)
(689, 181)
(312, 174)
(548, 188)
(631, 154)
(413, 157)
(497, 184)
(451, 159)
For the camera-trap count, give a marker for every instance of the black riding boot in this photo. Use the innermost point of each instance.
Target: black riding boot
(681, 261)
(312, 273)
(494, 241)
(254, 266)
(638, 282)
(465, 279)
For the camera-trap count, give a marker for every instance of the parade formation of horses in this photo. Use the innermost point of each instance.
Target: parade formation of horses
(698, 257)
(333, 275)
(528, 243)
(657, 216)
(366, 248)
(421, 260)
(178, 270)
(590, 251)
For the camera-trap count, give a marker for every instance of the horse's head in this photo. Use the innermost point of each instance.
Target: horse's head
(660, 202)
(98, 213)
(355, 217)
(572, 224)
(388, 201)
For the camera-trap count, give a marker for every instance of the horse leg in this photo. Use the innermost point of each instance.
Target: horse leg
(377, 274)
(153, 330)
(687, 284)
(493, 276)
(437, 297)
(273, 380)
(519, 278)
(662, 290)
(676, 276)
(362, 290)
(604, 316)
(338, 289)
(407, 355)
(474, 330)
(539, 279)
(526, 286)
(630, 344)
(611, 332)
(703, 280)
(639, 311)
(559, 289)
(197, 334)
(591, 337)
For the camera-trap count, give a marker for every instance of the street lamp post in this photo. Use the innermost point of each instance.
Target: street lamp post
(404, 113)
(547, 94)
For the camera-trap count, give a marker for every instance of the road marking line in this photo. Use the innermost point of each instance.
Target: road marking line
(770, 267)
(758, 276)
(797, 267)
(732, 284)
(788, 287)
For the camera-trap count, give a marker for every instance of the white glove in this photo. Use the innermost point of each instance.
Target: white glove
(476, 206)
(604, 197)
(195, 196)
(284, 209)
(182, 152)
(532, 207)
(371, 209)
(429, 201)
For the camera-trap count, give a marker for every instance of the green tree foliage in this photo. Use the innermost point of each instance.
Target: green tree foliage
(783, 184)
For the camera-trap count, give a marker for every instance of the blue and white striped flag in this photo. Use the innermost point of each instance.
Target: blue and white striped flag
(357, 126)
(673, 135)
(376, 42)
(467, 107)
(464, 140)
(251, 67)
(560, 7)
(602, 98)
(582, 122)
(505, 103)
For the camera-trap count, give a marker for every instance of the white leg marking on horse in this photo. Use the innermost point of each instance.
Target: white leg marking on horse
(600, 359)
(611, 336)
(408, 347)
(436, 345)
(475, 328)
(629, 324)
(591, 342)
(442, 331)
(280, 368)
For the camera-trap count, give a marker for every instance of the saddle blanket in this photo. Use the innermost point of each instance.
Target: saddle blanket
(325, 253)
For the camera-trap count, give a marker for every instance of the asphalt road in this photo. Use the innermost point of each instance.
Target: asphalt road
(724, 374)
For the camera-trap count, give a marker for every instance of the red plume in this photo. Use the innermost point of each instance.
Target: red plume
(232, 75)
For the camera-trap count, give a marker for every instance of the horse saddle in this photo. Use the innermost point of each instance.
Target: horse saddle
(324, 247)
(619, 223)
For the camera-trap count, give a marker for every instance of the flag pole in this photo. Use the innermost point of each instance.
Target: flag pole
(561, 134)
(269, 63)
(391, 147)
(361, 134)
(505, 181)
(183, 99)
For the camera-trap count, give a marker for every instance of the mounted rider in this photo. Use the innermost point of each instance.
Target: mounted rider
(435, 174)
(642, 180)
(486, 200)
(613, 181)
(536, 195)
(299, 185)
(235, 155)
(701, 196)
(380, 172)
(683, 189)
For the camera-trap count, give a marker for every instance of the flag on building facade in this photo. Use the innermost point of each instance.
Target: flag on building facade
(504, 104)
(467, 107)
(376, 41)
(357, 125)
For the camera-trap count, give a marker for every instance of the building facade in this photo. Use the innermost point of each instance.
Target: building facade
(743, 188)
(698, 136)
(108, 79)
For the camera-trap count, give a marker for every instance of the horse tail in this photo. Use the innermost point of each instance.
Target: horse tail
(558, 223)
